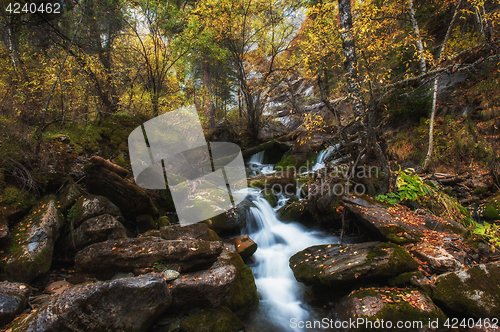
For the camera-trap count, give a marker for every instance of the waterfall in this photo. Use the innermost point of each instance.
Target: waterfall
(281, 295)
(256, 164)
(322, 155)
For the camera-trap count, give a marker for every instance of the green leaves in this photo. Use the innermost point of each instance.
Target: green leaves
(410, 187)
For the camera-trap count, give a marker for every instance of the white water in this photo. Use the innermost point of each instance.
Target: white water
(256, 163)
(322, 155)
(281, 295)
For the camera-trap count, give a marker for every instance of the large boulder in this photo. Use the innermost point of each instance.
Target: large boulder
(220, 320)
(32, 243)
(128, 304)
(204, 289)
(13, 300)
(105, 259)
(228, 282)
(337, 265)
(94, 230)
(130, 199)
(474, 291)
(383, 308)
(396, 224)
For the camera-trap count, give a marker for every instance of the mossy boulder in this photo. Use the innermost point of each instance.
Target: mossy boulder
(243, 294)
(232, 221)
(198, 231)
(437, 258)
(270, 197)
(474, 291)
(294, 211)
(337, 265)
(126, 304)
(213, 320)
(374, 305)
(32, 243)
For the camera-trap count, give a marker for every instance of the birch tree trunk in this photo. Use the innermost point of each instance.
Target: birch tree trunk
(416, 30)
(435, 89)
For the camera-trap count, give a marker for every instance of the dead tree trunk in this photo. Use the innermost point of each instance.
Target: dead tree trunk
(416, 30)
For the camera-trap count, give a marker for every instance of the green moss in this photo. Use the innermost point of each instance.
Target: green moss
(480, 190)
(285, 162)
(491, 213)
(213, 320)
(270, 197)
(244, 292)
(404, 278)
(257, 184)
(120, 161)
(163, 221)
(11, 195)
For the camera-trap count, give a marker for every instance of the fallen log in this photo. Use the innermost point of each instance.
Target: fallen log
(98, 161)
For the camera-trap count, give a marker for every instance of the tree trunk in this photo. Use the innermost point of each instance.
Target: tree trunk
(351, 67)
(208, 108)
(435, 89)
(366, 131)
(416, 30)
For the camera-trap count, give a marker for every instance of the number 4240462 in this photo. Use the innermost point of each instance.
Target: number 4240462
(32, 8)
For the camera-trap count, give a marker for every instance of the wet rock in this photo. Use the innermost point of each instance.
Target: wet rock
(337, 265)
(129, 304)
(204, 289)
(396, 224)
(89, 207)
(121, 275)
(105, 259)
(69, 195)
(474, 291)
(32, 243)
(245, 246)
(389, 305)
(220, 319)
(94, 230)
(130, 199)
(437, 258)
(13, 299)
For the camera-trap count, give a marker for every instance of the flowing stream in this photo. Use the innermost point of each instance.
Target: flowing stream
(281, 296)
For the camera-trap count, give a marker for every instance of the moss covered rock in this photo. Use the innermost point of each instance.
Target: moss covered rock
(270, 197)
(294, 211)
(474, 291)
(91, 206)
(337, 265)
(213, 320)
(32, 243)
(389, 305)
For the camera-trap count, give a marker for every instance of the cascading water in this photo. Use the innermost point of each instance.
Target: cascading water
(256, 164)
(322, 155)
(281, 295)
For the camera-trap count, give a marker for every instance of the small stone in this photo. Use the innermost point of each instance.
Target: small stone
(169, 275)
